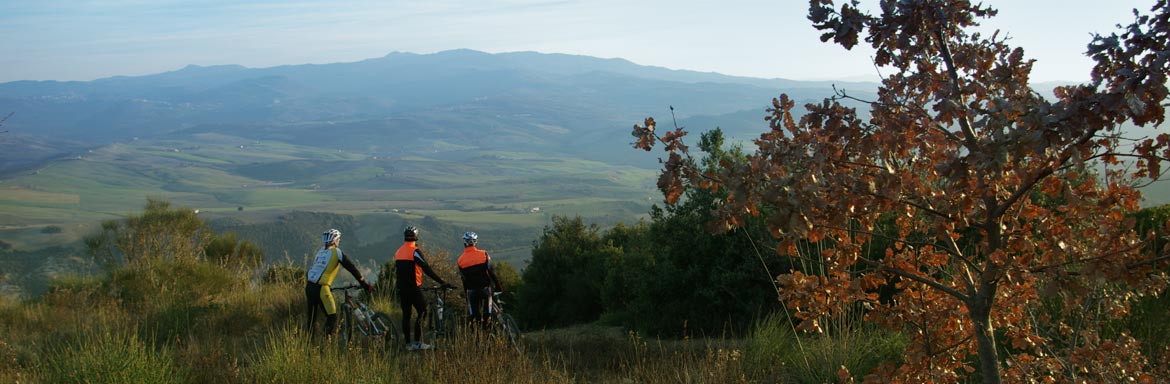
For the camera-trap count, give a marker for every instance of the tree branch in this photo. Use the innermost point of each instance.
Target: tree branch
(931, 283)
(956, 87)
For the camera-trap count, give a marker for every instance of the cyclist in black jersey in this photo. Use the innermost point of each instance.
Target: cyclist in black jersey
(320, 277)
(410, 266)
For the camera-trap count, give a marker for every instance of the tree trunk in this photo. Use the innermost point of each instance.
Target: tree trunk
(985, 338)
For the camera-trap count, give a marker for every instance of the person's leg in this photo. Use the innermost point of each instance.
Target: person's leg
(405, 304)
(486, 312)
(420, 305)
(477, 307)
(312, 301)
(330, 310)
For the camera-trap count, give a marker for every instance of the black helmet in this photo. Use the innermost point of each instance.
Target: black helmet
(411, 233)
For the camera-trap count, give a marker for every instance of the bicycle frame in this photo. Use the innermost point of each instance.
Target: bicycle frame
(440, 320)
(503, 321)
(372, 324)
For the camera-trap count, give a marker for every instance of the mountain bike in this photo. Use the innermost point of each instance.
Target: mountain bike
(363, 323)
(441, 322)
(504, 324)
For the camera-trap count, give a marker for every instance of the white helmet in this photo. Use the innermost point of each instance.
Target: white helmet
(330, 236)
(469, 239)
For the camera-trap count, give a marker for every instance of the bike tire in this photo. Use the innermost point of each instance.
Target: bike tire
(434, 327)
(511, 330)
(391, 337)
(345, 324)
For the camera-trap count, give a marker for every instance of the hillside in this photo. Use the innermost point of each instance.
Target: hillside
(491, 142)
(496, 143)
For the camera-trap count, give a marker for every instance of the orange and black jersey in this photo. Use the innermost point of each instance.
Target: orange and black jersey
(476, 268)
(410, 266)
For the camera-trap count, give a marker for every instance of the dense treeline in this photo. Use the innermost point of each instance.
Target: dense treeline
(673, 275)
(669, 275)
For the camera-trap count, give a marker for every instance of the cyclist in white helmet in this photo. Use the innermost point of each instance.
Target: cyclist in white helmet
(320, 278)
(475, 267)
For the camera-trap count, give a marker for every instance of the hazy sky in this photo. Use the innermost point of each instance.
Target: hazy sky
(85, 40)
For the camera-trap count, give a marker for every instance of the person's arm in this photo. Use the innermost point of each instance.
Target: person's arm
(418, 259)
(353, 270)
(492, 274)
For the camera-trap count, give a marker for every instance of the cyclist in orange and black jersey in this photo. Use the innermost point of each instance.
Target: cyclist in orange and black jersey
(410, 266)
(320, 277)
(475, 266)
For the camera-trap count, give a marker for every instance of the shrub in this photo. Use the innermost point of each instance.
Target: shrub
(284, 274)
(776, 348)
(105, 357)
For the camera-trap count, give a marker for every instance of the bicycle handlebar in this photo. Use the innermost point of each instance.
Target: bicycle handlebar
(347, 287)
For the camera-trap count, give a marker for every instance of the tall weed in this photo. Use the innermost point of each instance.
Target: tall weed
(109, 357)
(777, 349)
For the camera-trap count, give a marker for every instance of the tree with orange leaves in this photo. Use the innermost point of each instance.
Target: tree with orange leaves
(1010, 241)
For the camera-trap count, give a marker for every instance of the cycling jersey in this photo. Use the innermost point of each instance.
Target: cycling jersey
(324, 268)
(410, 265)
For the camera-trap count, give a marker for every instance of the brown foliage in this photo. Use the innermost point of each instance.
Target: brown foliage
(1002, 201)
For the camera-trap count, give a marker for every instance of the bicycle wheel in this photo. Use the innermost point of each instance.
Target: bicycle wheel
(345, 324)
(510, 330)
(360, 327)
(434, 329)
(391, 337)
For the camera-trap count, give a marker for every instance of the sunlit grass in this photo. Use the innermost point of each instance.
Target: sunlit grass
(234, 326)
(109, 357)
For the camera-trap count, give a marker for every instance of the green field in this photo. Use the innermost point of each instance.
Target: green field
(225, 177)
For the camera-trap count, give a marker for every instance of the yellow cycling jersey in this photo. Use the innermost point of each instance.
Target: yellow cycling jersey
(324, 268)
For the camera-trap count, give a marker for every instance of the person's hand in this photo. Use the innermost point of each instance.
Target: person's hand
(367, 286)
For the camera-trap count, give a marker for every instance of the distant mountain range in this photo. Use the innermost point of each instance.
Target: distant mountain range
(543, 102)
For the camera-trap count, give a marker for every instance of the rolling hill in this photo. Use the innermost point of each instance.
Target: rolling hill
(462, 140)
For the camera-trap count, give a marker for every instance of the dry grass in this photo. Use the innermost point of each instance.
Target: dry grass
(236, 331)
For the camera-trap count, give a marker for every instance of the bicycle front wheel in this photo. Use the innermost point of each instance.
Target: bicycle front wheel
(510, 330)
(345, 324)
(391, 337)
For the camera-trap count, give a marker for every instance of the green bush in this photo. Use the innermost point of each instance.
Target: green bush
(776, 348)
(105, 357)
(562, 283)
(226, 249)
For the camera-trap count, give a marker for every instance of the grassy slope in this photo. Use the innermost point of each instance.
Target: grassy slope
(256, 181)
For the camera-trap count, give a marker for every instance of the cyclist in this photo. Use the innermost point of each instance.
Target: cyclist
(410, 265)
(320, 277)
(475, 266)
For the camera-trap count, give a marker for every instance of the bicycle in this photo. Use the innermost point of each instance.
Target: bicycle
(441, 321)
(504, 323)
(372, 325)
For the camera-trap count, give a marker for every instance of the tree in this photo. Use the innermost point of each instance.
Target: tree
(956, 147)
(562, 283)
(695, 282)
(159, 233)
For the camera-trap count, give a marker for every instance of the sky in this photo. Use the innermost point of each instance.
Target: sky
(86, 40)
